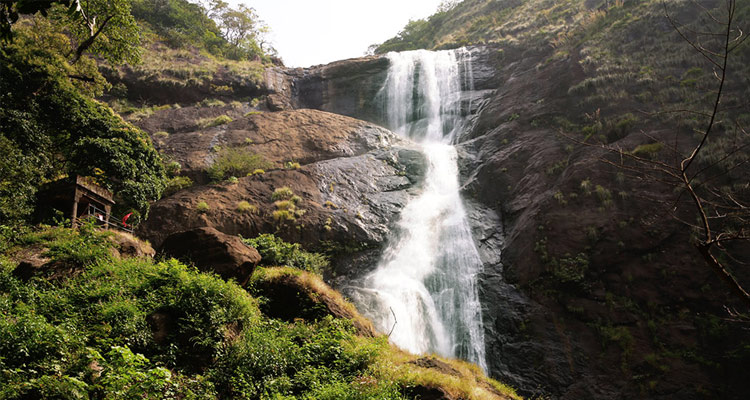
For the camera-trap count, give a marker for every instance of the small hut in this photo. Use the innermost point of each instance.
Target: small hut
(76, 198)
(90, 199)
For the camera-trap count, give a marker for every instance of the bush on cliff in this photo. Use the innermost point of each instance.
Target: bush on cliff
(235, 161)
(276, 252)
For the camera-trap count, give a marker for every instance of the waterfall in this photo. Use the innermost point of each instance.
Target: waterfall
(427, 276)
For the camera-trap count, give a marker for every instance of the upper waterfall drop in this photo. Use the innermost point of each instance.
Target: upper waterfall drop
(422, 93)
(425, 285)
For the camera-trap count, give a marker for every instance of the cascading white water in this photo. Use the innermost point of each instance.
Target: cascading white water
(427, 277)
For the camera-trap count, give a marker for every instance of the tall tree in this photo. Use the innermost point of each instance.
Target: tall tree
(105, 28)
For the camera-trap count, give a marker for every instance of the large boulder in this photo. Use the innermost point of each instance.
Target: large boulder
(213, 251)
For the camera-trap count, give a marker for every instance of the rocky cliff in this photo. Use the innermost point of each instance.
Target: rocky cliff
(590, 290)
(349, 179)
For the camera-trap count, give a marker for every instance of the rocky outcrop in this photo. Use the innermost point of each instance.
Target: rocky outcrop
(213, 251)
(183, 76)
(295, 294)
(353, 178)
(584, 252)
(353, 87)
(127, 245)
(348, 87)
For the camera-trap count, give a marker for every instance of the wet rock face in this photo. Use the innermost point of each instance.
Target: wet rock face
(352, 87)
(348, 87)
(213, 251)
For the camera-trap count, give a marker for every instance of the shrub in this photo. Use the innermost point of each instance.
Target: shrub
(161, 135)
(560, 197)
(282, 193)
(284, 205)
(281, 216)
(232, 180)
(291, 165)
(648, 150)
(211, 122)
(257, 172)
(172, 168)
(604, 195)
(571, 269)
(586, 186)
(202, 207)
(274, 251)
(235, 161)
(177, 183)
(211, 103)
(246, 207)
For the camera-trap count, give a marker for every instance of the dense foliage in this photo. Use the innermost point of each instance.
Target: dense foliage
(127, 329)
(231, 32)
(275, 251)
(49, 128)
(180, 23)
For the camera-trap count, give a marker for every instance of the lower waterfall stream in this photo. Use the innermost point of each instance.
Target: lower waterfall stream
(424, 290)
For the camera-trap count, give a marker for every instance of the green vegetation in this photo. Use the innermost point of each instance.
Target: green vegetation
(49, 128)
(282, 193)
(93, 334)
(211, 122)
(176, 184)
(235, 161)
(286, 205)
(648, 150)
(247, 208)
(276, 252)
(202, 207)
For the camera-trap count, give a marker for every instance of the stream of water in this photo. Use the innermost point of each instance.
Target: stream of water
(424, 289)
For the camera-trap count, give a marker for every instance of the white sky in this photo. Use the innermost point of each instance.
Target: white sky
(310, 32)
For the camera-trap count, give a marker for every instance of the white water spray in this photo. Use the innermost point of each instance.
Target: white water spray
(427, 276)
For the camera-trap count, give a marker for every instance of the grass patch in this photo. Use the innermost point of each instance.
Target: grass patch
(649, 150)
(176, 184)
(202, 207)
(212, 122)
(247, 208)
(282, 193)
(235, 161)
